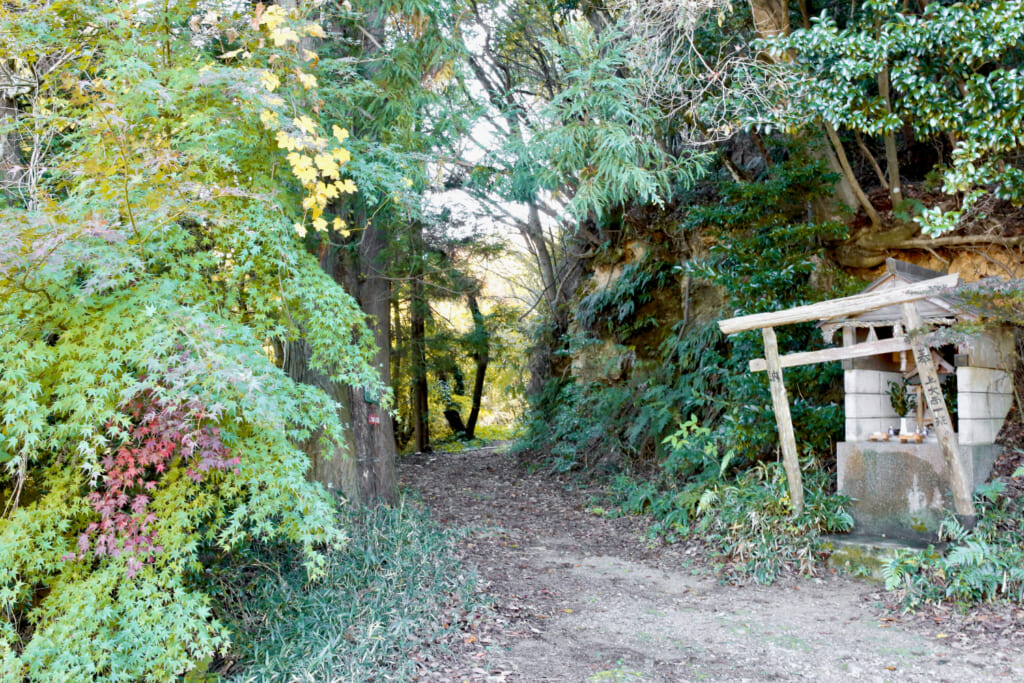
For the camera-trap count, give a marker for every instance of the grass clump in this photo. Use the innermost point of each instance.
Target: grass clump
(395, 593)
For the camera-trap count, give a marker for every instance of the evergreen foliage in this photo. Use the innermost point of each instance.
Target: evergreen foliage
(955, 72)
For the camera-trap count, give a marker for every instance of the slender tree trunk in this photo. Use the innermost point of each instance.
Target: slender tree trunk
(891, 159)
(844, 163)
(866, 153)
(398, 351)
(534, 234)
(417, 342)
(12, 166)
(481, 355)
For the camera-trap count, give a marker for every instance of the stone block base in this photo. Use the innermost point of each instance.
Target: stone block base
(902, 490)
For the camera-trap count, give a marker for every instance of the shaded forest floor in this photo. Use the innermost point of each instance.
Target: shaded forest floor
(575, 597)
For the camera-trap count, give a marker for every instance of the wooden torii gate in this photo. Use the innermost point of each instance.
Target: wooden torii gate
(853, 305)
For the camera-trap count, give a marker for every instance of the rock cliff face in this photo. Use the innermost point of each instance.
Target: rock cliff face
(633, 295)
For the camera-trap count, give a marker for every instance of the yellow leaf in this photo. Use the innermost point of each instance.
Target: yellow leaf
(327, 165)
(342, 155)
(315, 30)
(301, 229)
(339, 133)
(340, 225)
(328, 191)
(302, 167)
(308, 202)
(320, 224)
(941, 635)
(269, 119)
(306, 175)
(299, 160)
(407, 181)
(305, 124)
(270, 80)
(346, 186)
(308, 81)
(272, 17)
(308, 55)
(285, 141)
(233, 53)
(283, 36)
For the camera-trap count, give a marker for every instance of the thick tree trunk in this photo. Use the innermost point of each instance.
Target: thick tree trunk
(373, 432)
(334, 468)
(482, 357)
(363, 273)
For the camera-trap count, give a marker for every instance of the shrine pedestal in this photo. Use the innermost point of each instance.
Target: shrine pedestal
(901, 490)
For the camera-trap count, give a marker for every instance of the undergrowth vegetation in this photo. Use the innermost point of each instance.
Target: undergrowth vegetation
(742, 516)
(396, 593)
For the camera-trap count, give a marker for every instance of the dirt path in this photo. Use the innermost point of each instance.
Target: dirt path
(584, 598)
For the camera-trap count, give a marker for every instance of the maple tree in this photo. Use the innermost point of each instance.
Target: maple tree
(150, 259)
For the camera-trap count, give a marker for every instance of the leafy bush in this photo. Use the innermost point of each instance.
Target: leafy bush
(750, 522)
(397, 590)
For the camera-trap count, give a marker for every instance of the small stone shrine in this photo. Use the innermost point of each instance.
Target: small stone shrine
(921, 419)
(891, 464)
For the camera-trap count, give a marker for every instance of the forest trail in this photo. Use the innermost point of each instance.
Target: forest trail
(579, 597)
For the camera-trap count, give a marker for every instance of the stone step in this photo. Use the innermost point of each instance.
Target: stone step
(864, 555)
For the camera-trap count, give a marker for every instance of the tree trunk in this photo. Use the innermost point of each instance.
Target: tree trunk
(844, 163)
(891, 159)
(373, 432)
(481, 354)
(336, 468)
(403, 431)
(417, 343)
(363, 271)
(12, 166)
